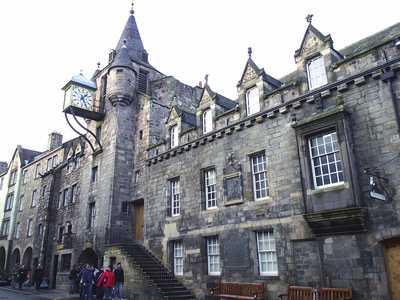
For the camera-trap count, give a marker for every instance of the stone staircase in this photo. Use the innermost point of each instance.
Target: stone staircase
(156, 273)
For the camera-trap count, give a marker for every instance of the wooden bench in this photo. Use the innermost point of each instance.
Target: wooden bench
(298, 293)
(335, 294)
(239, 291)
(308, 293)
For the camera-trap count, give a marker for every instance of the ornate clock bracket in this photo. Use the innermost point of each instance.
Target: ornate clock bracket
(70, 110)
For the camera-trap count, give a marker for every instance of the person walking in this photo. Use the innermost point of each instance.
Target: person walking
(107, 282)
(119, 282)
(74, 280)
(21, 276)
(87, 280)
(99, 288)
(38, 277)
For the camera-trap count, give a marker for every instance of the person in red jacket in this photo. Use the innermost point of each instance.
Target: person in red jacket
(107, 282)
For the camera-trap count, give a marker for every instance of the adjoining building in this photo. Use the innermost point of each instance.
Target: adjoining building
(293, 182)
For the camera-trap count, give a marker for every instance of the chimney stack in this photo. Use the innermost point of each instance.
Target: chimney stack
(55, 140)
(3, 166)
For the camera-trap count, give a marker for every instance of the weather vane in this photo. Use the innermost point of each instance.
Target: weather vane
(206, 78)
(309, 18)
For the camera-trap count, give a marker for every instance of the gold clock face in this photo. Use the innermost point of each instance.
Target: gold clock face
(82, 98)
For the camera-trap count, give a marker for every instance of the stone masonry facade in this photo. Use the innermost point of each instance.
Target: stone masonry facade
(294, 182)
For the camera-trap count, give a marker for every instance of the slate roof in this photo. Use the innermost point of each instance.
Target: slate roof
(186, 117)
(224, 102)
(372, 41)
(28, 155)
(134, 43)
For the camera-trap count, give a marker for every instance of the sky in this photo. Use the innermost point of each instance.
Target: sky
(43, 43)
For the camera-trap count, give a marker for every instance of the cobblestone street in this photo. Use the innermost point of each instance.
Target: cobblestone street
(9, 293)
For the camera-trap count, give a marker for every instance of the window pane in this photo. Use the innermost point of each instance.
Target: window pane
(326, 161)
(252, 101)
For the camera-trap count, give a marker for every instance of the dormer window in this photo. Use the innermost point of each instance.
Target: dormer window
(252, 101)
(174, 135)
(316, 73)
(207, 121)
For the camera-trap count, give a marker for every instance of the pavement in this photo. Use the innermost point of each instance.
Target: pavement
(7, 292)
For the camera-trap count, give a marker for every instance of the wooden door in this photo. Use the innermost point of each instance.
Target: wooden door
(392, 257)
(139, 219)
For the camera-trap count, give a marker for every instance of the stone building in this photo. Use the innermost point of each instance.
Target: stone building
(293, 182)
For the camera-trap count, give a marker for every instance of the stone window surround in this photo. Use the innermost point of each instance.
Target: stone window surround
(247, 100)
(204, 119)
(273, 251)
(174, 187)
(29, 227)
(204, 188)
(5, 227)
(13, 177)
(308, 60)
(213, 254)
(9, 202)
(308, 97)
(178, 258)
(251, 156)
(336, 119)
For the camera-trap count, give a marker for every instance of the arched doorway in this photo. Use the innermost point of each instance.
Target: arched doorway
(88, 256)
(27, 258)
(15, 258)
(2, 259)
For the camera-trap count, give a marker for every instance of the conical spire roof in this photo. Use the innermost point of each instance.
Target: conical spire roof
(131, 38)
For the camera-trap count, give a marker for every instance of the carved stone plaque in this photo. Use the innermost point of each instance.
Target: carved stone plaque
(233, 188)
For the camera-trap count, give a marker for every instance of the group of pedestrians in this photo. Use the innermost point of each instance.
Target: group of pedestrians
(106, 283)
(22, 276)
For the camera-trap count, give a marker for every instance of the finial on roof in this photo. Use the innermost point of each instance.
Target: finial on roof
(250, 51)
(309, 18)
(98, 65)
(124, 45)
(81, 72)
(132, 11)
(206, 79)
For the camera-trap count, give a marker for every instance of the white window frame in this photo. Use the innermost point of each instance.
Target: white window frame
(260, 176)
(253, 101)
(34, 196)
(175, 195)
(316, 73)
(9, 202)
(24, 174)
(92, 215)
(266, 251)
(5, 227)
(210, 188)
(323, 157)
(17, 230)
(21, 203)
(213, 256)
(174, 136)
(29, 228)
(179, 258)
(207, 121)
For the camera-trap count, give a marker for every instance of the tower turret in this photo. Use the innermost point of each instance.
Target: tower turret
(121, 81)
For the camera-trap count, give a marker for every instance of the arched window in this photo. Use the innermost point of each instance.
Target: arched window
(252, 101)
(207, 121)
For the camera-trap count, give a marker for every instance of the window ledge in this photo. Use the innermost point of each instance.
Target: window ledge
(331, 188)
(173, 218)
